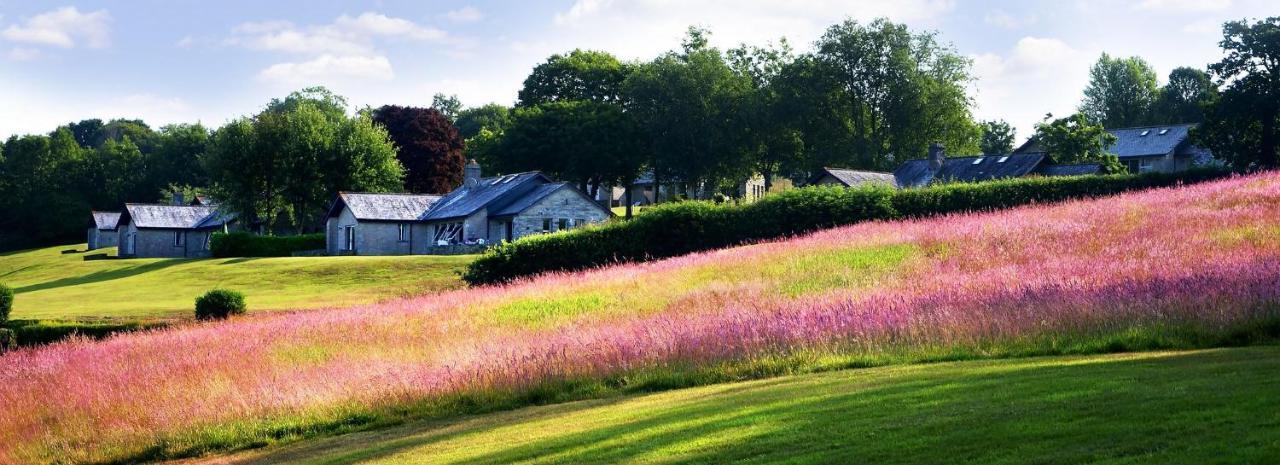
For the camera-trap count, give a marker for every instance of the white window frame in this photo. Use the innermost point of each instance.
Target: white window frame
(178, 239)
(403, 232)
(349, 238)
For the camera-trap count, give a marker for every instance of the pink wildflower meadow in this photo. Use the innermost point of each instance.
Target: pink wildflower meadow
(1202, 257)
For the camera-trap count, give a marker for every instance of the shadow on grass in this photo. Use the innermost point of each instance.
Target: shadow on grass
(1165, 408)
(100, 276)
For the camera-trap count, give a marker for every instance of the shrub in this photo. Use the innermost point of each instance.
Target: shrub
(680, 228)
(6, 303)
(8, 340)
(219, 304)
(243, 244)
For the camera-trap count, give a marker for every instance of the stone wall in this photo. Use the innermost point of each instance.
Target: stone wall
(371, 237)
(102, 238)
(564, 203)
(159, 243)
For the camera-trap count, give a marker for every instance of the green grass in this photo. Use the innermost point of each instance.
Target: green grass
(53, 285)
(1214, 406)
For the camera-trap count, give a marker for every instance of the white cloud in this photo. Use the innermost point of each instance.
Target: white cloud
(1183, 5)
(466, 14)
(1001, 18)
(1203, 26)
(377, 24)
(1038, 76)
(347, 35)
(64, 27)
(329, 68)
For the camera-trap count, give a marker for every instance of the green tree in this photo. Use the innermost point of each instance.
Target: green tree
(175, 158)
(997, 137)
(876, 94)
(1241, 126)
(447, 105)
(287, 162)
(493, 117)
(1075, 139)
(1184, 97)
(580, 75)
(688, 103)
(1121, 93)
(591, 144)
(775, 143)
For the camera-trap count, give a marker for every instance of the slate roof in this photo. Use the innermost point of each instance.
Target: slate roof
(105, 220)
(384, 207)
(1079, 169)
(494, 193)
(1149, 140)
(174, 216)
(527, 200)
(916, 173)
(856, 177)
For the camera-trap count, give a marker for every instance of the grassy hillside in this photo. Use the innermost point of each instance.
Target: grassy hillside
(53, 285)
(1171, 407)
(1186, 267)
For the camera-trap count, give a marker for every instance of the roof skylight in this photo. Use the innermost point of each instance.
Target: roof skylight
(1002, 159)
(978, 160)
(1164, 131)
(1144, 133)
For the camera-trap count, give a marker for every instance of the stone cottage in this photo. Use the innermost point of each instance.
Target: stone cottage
(851, 178)
(482, 211)
(1164, 148)
(376, 224)
(102, 230)
(176, 231)
(939, 168)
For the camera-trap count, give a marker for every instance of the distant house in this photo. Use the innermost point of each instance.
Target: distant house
(1144, 149)
(851, 178)
(939, 168)
(481, 211)
(377, 224)
(102, 229)
(158, 230)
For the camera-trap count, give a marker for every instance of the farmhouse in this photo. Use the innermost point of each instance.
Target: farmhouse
(102, 229)
(376, 224)
(1145, 149)
(851, 178)
(158, 230)
(938, 168)
(482, 211)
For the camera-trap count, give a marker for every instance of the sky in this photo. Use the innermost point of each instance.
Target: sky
(177, 61)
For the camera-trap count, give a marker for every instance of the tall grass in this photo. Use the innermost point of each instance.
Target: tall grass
(1187, 267)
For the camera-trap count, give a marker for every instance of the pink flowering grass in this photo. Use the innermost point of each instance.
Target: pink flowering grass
(1187, 267)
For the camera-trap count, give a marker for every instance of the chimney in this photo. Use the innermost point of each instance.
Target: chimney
(471, 174)
(937, 155)
(177, 198)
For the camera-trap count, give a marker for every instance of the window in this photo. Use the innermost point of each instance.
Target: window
(1002, 160)
(208, 240)
(448, 232)
(403, 232)
(1146, 165)
(563, 224)
(1164, 131)
(1144, 133)
(350, 242)
(977, 161)
(546, 225)
(177, 238)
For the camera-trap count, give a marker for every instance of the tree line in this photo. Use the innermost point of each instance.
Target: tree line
(863, 96)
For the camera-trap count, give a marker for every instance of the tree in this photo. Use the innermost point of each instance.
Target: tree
(688, 103)
(874, 95)
(1241, 126)
(775, 144)
(447, 105)
(493, 117)
(1184, 97)
(175, 158)
(1074, 139)
(997, 137)
(580, 75)
(428, 146)
(1121, 92)
(592, 144)
(287, 162)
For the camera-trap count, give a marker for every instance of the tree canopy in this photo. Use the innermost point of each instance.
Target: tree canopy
(1075, 139)
(580, 75)
(1121, 93)
(997, 138)
(1241, 125)
(428, 146)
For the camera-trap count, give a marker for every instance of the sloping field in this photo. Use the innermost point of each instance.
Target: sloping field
(1170, 268)
(53, 285)
(1189, 408)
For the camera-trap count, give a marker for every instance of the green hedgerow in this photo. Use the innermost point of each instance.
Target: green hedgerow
(6, 302)
(219, 304)
(8, 340)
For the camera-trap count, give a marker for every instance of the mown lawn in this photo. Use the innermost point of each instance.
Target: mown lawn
(1214, 406)
(53, 285)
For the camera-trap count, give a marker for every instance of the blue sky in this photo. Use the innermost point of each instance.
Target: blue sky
(187, 61)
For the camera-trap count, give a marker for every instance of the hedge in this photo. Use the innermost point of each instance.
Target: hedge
(243, 244)
(685, 227)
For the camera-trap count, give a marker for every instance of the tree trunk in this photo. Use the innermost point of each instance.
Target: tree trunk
(629, 201)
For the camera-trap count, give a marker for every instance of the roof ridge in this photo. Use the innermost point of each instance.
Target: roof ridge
(1152, 126)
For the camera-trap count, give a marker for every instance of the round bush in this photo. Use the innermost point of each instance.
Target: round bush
(6, 302)
(8, 340)
(219, 304)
